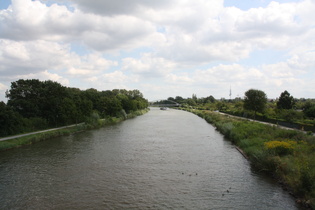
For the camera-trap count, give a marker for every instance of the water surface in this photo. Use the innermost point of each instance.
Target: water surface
(162, 160)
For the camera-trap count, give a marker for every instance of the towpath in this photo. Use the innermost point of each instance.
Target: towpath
(36, 132)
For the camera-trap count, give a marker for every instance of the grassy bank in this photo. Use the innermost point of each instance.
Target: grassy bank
(96, 123)
(288, 155)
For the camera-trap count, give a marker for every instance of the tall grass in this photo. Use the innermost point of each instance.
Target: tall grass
(288, 155)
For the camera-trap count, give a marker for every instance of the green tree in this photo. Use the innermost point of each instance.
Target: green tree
(24, 97)
(194, 97)
(191, 102)
(221, 106)
(36, 99)
(11, 122)
(68, 112)
(255, 100)
(94, 96)
(309, 109)
(210, 99)
(51, 101)
(82, 104)
(286, 101)
(125, 102)
(171, 99)
(179, 99)
(110, 106)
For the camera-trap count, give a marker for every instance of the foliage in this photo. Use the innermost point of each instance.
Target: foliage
(255, 100)
(289, 115)
(110, 106)
(34, 105)
(309, 109)
(11, 122)
(93, 120)
(286, 101)
(302, 116)
(280, 147)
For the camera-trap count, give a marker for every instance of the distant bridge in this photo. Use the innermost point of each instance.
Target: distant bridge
(163, 103)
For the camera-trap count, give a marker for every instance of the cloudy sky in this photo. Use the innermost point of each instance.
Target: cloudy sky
(162, 48)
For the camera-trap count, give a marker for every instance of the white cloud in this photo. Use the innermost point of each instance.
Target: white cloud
(179, 45)
(109, 81)
(303, 61)
(91, 64)
(30, 57)
(108, 7)
(44, 75)
(179, 79)
(148, 66)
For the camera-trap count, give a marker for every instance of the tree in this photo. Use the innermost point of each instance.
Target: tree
(68, 112)
(110, 106)
(255, 100)
(125, 102)
(51, 101)
(171, 99)
(94, 96)
(194, 97)
(179, 99)
(36, 99)
(191, 102)
(309, 109)
(11, 122)
(210, 99)
(24, 97)
(285, 101)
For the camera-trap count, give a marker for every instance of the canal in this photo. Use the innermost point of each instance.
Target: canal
(162, 160)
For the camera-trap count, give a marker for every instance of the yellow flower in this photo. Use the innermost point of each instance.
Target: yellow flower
(280, 147)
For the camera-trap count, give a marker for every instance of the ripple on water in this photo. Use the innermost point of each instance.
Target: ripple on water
(162, 160)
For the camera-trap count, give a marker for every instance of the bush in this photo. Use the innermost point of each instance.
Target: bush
(93, 119)
(289, 115)
(280, 147)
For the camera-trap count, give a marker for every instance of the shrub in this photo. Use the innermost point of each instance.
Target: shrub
(93, 120)
(280, 147)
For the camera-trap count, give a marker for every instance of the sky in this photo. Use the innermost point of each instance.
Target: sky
(164, 48)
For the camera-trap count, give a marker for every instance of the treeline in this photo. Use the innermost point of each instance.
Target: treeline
(255, 104)
(34, 105)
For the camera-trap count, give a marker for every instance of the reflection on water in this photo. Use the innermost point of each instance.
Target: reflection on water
(162, 160)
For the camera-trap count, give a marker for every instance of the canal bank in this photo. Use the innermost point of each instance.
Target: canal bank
(33, 137)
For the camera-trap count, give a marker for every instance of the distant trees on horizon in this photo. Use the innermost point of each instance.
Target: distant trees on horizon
(255, 102)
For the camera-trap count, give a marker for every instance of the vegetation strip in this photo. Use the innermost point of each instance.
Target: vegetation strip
(43, 131)
(38, 105)
(288, 155)
(31, 138)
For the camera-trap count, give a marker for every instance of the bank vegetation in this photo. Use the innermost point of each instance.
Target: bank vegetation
(35, 105)
(94, 122)
(288, 155)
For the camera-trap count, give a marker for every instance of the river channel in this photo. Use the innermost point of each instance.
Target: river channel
(161, 160)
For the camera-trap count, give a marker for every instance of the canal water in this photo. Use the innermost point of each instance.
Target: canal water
(161, 160)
